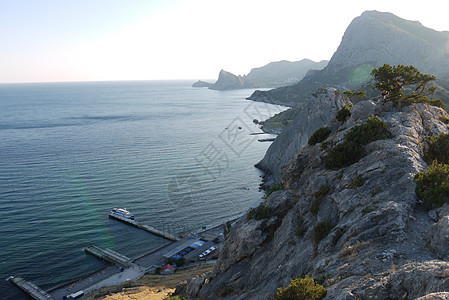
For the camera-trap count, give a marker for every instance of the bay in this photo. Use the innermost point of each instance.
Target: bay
(177, 157)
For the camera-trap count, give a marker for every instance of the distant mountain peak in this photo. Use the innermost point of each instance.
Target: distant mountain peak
(371, 40)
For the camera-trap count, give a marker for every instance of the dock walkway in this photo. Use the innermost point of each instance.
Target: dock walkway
(109, 255)
(147, 228)
(30, 288)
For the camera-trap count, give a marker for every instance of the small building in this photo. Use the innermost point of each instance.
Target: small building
(167, 269)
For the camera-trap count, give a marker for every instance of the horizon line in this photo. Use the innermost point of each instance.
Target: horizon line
(98, 81)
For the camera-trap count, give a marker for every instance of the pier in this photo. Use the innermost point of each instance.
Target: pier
(109, 255)
(147, 228)
(30, 288)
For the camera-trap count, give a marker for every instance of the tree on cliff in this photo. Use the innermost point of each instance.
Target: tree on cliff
(394, 78)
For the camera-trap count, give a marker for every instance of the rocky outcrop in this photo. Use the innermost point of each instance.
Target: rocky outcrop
(201, 83)
(274, 74)
(371, 40)
(316, 112)
(377, 241)
(228, 81)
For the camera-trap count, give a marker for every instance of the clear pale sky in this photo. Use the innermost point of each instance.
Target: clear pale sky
(94, 40)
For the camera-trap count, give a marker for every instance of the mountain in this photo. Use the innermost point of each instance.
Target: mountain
(274, 74)
(283, 72)
(371, 40)
(357, 228)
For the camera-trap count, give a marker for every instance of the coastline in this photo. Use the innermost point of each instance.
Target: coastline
(99, 274)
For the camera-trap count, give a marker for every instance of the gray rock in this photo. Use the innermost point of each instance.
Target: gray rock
(317, 111)
(378, 247)
(435, 296)
(433, 215)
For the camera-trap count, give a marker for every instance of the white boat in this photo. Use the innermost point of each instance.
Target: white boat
(122, 212)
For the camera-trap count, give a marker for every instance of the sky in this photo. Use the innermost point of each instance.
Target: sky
(103, 40)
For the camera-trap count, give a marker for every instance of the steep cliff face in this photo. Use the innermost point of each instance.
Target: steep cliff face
(371, 40)
(366, 235)
(274, 74)
(376, 38)
(228, 81)
(316, 111)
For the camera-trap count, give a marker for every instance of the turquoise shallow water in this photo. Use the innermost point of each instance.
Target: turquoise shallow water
(179, 158)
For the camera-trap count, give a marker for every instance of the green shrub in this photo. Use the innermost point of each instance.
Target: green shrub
(374, 129)
(227, 228)
(343, 154)
(300, 229)
(157, 271)
(176, 298)
(322, 192)
(228, 290)
(343, 113)
(356, 182)
(321, 230)
(260, 212)
(319, 135)
(180, 262)
(351, 149)
(437, 148)
(275, 187)
(376, 191)
(303, 289)
(338, 234)
(368, 209)
(324, 145)
(414, 98)
(432, 186)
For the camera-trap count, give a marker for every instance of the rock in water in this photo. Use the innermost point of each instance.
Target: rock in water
(201, 83)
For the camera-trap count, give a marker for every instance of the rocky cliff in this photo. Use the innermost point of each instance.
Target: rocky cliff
(359, 228)
(371, 40)
(228, 81)
(274, 74)
(318, 109)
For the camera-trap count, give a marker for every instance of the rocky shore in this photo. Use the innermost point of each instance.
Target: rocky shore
(367, 237)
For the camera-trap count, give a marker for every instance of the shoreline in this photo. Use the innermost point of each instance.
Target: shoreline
(110, 270)
(146, 263)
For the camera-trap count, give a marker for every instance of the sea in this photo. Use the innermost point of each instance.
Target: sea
(179, 158)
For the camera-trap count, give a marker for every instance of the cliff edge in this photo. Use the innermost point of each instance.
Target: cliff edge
(359, 228)
(317, 110)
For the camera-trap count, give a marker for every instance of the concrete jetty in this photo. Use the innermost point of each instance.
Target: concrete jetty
(109, 255)
(147, 228)
(30, 288)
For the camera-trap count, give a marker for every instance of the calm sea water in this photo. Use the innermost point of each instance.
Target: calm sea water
(179, 158)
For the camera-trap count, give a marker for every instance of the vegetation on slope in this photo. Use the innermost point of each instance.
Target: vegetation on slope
(432, 185)
(394, 79)
(319, 135)
(343, 113)
(351, 149)
(302, 289)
